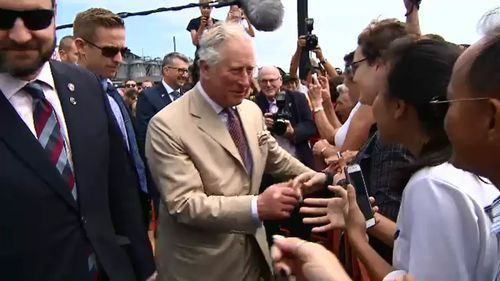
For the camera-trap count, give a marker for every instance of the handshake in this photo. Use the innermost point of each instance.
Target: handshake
(279, 200)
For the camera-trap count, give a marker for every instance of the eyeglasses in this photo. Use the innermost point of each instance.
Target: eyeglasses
(353, 66)
(33, 19)
(441, 100)
(109, 51)
(130, 85)
(265, 81)
(180, 70)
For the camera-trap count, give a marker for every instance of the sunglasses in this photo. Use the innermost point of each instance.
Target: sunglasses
(130, 85)
(33, 19)
(109, 51)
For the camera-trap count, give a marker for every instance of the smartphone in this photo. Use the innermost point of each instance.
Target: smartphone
(354, 176)
(315, 77)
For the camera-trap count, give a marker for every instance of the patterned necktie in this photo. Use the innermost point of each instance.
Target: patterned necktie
(49, 134)
(176, 94)
(236, 132)
(50, 137)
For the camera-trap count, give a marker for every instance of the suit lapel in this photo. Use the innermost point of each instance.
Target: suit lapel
(74, 114)
(161, 97)
(19, 139)
(210, 123)
(251, 135)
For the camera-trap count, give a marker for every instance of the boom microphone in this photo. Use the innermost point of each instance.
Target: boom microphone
(264, 15)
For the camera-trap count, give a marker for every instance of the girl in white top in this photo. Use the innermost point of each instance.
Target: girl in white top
(342, 131)
(442, 231)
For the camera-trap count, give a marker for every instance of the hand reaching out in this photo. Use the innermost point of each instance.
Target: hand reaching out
(305, 260)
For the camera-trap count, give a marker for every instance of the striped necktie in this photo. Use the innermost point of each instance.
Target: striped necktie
(48, 131)
(50, 137)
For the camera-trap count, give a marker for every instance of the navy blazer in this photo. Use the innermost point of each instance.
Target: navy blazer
(302, 123)
(150, 102)
(44, 233)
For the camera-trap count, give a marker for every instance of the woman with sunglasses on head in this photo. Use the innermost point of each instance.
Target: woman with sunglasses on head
(441, 232)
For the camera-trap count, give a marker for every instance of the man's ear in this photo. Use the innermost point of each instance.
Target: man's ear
(79, 43)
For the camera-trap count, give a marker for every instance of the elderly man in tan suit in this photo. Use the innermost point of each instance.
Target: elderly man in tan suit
(207, 152)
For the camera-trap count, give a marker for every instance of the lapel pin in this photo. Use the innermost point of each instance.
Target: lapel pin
(72, 100)
(71, 87)
(162, 95)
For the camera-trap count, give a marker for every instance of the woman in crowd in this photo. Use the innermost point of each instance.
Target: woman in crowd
(442, 232)
(236, 15)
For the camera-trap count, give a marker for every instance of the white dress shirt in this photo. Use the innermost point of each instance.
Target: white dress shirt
(23, 102)
(169, 89)
(223, 117)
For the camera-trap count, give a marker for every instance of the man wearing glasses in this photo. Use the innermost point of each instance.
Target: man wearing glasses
(68, 200)
(175, 74)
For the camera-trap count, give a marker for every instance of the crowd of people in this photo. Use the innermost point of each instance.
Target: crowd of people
(240, 176)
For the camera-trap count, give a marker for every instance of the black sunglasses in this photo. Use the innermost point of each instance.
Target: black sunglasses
(109, 51)
(33, 19)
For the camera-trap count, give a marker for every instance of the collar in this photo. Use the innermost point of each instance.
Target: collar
(167, 87)
(216, 107)
(10, 85)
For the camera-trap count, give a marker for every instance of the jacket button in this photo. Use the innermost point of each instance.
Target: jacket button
(83, 220)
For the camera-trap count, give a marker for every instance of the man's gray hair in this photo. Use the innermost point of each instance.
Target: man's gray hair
(489, 24)
(169, 58)
(213, 39)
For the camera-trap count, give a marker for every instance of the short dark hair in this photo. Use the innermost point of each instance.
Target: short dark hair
(53, 3)
(432, 36)
(65, 42)
(419, 71)
(375, 38)
(333, 82)
(484, 74)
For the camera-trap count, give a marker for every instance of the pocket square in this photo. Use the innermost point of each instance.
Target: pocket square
(263, 137)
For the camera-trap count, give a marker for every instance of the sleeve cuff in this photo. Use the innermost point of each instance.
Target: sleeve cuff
(255, 212)
(392, 276)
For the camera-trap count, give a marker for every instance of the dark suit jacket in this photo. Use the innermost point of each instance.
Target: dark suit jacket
(150, 102)
(302, 123)
(44, 233)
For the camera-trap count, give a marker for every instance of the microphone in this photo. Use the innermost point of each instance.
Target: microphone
(264, 15)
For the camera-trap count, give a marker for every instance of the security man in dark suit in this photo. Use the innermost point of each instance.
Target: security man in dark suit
(69, 208)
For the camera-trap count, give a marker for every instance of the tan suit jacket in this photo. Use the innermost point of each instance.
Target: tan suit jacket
(206, 229)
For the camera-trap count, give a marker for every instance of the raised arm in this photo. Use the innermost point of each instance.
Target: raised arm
(412, 19)
(330, 70)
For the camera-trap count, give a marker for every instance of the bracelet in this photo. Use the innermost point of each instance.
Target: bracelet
(318, 109)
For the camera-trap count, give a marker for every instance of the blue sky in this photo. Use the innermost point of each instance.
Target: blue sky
(337, 24)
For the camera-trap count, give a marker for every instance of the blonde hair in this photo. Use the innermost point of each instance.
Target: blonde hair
(88, 21)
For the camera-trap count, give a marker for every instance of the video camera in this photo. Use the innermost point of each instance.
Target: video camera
(282, 116)
(311, 39)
